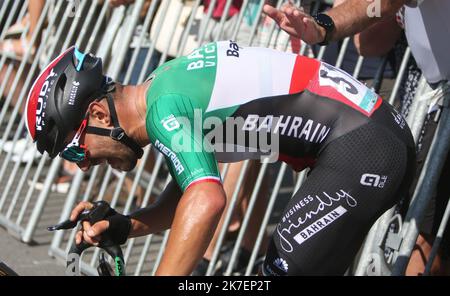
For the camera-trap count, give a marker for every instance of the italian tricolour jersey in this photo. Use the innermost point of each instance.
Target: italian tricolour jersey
(193, 96)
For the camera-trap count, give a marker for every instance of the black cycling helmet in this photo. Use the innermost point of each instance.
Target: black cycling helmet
(60, 96)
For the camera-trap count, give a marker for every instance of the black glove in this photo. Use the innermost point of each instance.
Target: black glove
(119, 228)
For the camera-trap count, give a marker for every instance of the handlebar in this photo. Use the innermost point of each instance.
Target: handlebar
(98, 212)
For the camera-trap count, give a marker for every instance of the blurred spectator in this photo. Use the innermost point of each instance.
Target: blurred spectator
(16, 48)
(377, 40)
(17, 42)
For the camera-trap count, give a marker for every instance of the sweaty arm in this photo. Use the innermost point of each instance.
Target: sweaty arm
(158, 216)
(192, 218)
(196, 218)
(173, 131)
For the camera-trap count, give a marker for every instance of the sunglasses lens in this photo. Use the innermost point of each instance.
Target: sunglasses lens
(74, 154)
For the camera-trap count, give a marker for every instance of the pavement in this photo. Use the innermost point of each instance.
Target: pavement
(28, 260)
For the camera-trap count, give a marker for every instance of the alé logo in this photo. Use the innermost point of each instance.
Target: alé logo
(170, 123)
(373, 180)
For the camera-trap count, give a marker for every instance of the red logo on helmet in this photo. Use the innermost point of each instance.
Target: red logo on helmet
(37, 98)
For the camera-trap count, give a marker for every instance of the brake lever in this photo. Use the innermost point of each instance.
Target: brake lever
(98, 212)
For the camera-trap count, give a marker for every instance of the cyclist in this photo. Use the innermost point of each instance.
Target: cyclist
(226, 103)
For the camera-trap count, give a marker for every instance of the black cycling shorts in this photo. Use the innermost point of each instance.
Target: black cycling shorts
(356, 178)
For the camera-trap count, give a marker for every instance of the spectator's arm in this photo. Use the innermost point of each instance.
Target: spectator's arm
(378, 39)
(350, 17)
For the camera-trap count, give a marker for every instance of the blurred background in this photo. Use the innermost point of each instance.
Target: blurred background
(133, 38)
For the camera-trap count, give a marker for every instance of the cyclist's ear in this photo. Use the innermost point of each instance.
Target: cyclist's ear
(99, 113)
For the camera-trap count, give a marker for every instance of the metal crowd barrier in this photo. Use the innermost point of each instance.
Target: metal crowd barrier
(129, 45)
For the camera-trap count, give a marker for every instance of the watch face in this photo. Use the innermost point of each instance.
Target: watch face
(324, 20)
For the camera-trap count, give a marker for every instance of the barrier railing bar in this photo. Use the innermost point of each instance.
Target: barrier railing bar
(188, 28)
(161, 251)
(255, 25)
(67, 209)
(2, 15)
(31, 188)
(19, 75)
(438, 240)
(205, 22)
(140, 265)
(170, 39)
(86, 23)
(96, 29)
(225, 12)
(248, 213)
(151, 183)
(239, 20)
(262, 229)
(10, 18)
(22, 180)
(153, 43)
(425, 187)
(145, 28)
(125, 38)
(41, 201)
(227, 219)
(400, 74)
(342, 52)
(10, 182)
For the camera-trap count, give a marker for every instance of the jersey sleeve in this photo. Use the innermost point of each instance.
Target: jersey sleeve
(174, 125)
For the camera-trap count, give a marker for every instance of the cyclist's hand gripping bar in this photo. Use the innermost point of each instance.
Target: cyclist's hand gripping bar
(100, 211)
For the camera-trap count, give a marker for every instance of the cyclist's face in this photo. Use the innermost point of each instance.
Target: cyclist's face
(103, 149)
(99, 149)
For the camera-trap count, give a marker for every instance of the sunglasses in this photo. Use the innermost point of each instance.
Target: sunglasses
(75, 152)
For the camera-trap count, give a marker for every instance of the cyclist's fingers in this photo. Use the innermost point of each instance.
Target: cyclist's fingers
(90, 240)
(86, 227)
(79, 237)
(87, 231)
(98, 228)
(84, 205)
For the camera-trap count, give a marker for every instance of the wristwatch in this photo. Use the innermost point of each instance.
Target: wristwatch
(326, 22)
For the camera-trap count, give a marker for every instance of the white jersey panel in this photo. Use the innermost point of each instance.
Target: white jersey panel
(246, 74)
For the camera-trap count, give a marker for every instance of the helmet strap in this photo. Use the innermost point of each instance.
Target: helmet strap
(117, 133)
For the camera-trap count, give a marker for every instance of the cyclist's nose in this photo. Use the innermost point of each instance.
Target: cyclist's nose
(84, 165)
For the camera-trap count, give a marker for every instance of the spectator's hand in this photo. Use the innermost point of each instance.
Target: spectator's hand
(115, 3)
(88, 233)
(296, 23)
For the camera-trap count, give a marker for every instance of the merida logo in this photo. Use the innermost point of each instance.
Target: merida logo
(173, 157)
